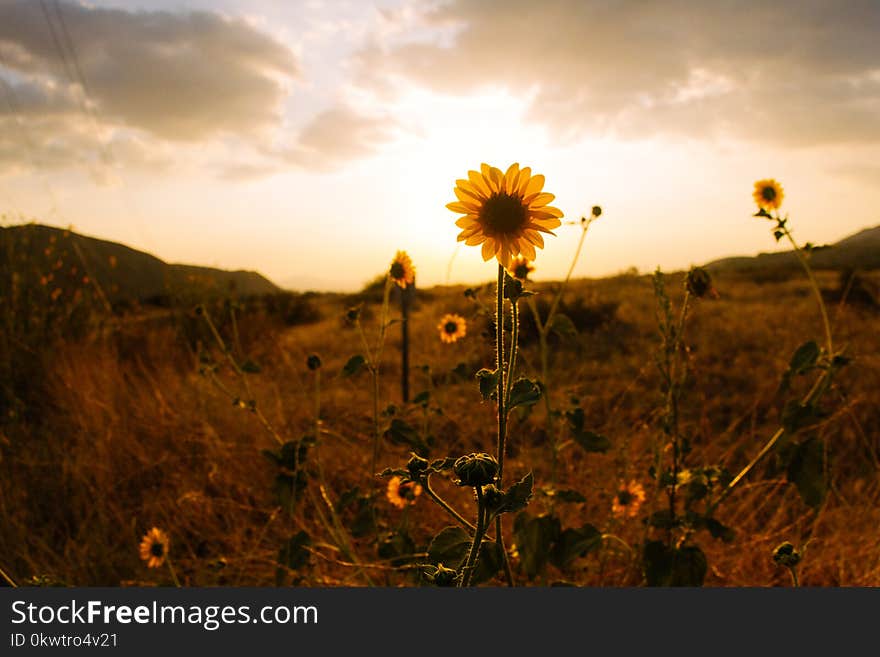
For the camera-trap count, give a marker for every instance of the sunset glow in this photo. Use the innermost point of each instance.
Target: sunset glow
(256, 135)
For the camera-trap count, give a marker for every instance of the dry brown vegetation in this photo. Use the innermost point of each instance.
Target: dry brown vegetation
(122, 432)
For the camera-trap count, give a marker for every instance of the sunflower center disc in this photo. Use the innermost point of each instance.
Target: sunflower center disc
(503, 214)
(451, 327)
(157, 549)
(769, 194)
(397, 270)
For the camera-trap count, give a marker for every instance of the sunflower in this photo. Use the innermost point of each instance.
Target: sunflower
(154, 547)
(521, 268)
(452, 328)
(400, 492)
(768, 194)
(628, 500)
(505, 212)
(402, 271)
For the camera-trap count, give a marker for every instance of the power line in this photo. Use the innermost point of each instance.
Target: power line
(64, 44)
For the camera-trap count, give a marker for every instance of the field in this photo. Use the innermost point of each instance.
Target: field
(150, 419)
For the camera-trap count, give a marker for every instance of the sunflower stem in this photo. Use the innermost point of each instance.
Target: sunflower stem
(499, 364)
(817, 292)
(471, 562)
(502, 409)
(171, 570)
(514, 337)
(374, 370)
(405, 294)
(446, 506)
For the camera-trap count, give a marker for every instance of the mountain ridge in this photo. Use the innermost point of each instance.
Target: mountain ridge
(860, 250)
(37, 254)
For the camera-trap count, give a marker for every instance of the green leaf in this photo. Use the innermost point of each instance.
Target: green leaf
(439, 465)
(354, 365)
(524, 392)
(592, 442)
(804, 358)
(574, 543)
(657, 561)
(462, 371)
(422, 398)
(563, 326)
(517, 497)
(806, 470)
(588, 440)
(665, 566)
(401, 433)
(690, 567)
(451, 546)
(534, 538)
(796, 416)
(719, 530)
(488, 380)
(663, 519)
(565, 495)
(251, 367)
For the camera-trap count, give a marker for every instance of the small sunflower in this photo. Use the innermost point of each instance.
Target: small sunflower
(505, 212)
(400, 492)
(521, 268)
(402, 271)
(768, 194)
(452, 328)
(154, 547)
(628, 500)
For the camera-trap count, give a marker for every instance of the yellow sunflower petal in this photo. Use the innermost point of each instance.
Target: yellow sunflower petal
(545, 213)
(538, 199)
(486, 173)
(541, 217)
(511, 177)
(496, 178)
(527, 249)
(525, 174)
(464, 222)
(488, 249)
(479, 183)
(462, 208)
(536, 184)
(534, 237)
(467, 193)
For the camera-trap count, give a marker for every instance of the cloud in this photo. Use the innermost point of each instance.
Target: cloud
(177, 76)
(343, 133)
(81, 85)
(790, 72)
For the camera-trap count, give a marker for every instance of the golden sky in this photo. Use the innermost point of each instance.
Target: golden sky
(312, 140)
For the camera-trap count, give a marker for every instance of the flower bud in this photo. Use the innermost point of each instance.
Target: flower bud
(441, 575)
(698, 282)
(475, 470)
(313, 362)
(786, 555)
(416, 466)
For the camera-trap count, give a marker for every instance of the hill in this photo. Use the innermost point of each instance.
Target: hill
(858, 251)
(58, 259)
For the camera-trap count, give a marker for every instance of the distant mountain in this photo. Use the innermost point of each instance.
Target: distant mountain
(859, 251)
(58, 259)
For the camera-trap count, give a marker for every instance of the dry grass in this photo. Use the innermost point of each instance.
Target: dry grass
(129, 435)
